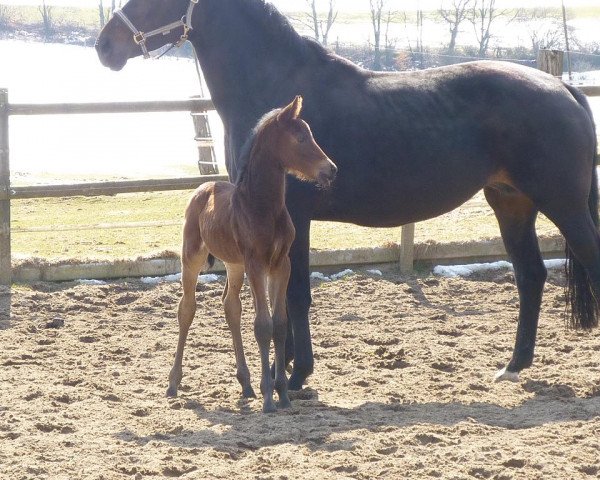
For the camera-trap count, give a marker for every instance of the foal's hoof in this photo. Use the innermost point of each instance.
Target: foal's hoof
(506, 376)
(171, 392)
(248, 392)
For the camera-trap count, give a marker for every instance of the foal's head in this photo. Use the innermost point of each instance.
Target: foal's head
(288, 139)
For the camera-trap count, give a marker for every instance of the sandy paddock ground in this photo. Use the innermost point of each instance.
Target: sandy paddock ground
(402, 386)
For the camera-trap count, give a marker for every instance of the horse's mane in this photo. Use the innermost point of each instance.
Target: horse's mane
(276, 25)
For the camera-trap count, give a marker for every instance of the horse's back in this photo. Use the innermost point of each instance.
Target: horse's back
(412, 145)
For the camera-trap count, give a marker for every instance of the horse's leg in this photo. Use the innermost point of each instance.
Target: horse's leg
(191, 264)
(278, 282)
(263, 330)
(233, 315)
(516, 216)
(298, 303)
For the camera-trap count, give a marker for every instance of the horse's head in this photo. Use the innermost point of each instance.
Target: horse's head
(142, 26)
(300, 153)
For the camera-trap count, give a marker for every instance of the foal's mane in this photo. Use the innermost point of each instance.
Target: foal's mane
(253, 138)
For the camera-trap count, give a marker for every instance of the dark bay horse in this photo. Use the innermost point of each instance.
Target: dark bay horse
(409, 146)
(248, 227)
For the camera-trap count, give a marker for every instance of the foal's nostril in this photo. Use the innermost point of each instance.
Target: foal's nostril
(334, 171)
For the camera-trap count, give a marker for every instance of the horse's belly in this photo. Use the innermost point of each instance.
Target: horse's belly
(383, 208)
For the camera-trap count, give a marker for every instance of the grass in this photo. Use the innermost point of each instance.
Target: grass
(75, 228)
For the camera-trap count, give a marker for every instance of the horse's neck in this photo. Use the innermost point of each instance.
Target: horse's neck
(242, 66)
(263, 184)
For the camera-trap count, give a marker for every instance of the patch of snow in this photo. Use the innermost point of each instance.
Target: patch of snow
(84, 281)
(342, 274)
(467, 270)
(319, 276)
(165, 279)
(375, 272)
(555, 263)
(209, 278)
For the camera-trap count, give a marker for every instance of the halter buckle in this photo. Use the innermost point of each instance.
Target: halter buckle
(139, 38)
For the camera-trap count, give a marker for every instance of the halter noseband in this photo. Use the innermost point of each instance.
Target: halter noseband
(140, 37)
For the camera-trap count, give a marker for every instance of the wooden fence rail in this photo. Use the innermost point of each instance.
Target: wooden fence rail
(8, 193)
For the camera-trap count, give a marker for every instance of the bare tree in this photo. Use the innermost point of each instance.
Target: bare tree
(5, 14)
(418, 44)
(376, 15)
(454, 15)
(545, 29)
(483, 15)
(101, 13)
(319, 26)
(106, 13)
(46, 12)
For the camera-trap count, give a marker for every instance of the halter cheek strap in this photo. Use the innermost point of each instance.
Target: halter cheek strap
(140, 37)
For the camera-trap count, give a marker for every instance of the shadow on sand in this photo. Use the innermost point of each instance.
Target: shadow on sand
(312, 423)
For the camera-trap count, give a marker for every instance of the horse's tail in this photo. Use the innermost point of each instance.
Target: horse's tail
(581, 297)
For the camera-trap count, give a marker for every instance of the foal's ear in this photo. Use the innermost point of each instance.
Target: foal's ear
(292, 111)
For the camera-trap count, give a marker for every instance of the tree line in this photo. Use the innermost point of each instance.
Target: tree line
(545, 26)
(46, 11)
(318, 17)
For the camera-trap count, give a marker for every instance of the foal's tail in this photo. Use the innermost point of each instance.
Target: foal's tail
(191, 231)
(211, 261)
(581, 297)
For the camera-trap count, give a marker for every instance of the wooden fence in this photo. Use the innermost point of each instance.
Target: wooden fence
(8, 193)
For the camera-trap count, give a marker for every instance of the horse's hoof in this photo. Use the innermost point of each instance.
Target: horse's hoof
(171, 392)
(269, 407)
(506, 376)
(284, 402)
(296, 381)
(248, 392)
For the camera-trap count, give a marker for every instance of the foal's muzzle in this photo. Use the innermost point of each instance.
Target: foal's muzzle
(326, 178)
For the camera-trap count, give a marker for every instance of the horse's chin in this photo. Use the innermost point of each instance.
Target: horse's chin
(115, 64)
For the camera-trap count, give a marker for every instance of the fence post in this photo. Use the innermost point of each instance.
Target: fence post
(407, 248)
(551, 61)
(5, 257)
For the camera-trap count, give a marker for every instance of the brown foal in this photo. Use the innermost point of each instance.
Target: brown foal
(248, 227)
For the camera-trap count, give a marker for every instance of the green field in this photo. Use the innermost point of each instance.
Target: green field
(132, 225)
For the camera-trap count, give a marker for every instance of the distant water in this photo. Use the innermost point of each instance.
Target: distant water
(77, 147)
(88, 146)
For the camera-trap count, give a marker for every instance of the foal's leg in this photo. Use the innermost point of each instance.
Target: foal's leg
(516, 216)
(277, 292)
(233, 314)
(263, 330)
(190, 268)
